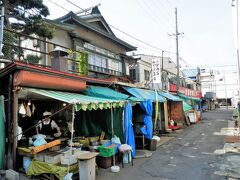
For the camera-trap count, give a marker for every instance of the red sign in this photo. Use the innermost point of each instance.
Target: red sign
(185, 91)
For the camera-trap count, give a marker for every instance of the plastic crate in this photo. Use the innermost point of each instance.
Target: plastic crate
(108, 149)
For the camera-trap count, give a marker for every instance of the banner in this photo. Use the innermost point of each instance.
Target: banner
(156, 75)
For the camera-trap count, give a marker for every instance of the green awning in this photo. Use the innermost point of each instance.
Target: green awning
(144, 94)
(170, 96)
(82, 101)
(188, 97)
(186, 106)
(105, 92)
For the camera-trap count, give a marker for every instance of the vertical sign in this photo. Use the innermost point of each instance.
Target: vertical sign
(156, 75)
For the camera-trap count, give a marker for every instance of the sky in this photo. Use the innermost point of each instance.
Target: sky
(206, 27)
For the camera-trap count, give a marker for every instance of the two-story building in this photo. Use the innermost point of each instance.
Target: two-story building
(75, 34)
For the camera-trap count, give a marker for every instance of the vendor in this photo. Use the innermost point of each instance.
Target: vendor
(48, 126)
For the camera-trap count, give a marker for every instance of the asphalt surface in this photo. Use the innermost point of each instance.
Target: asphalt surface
(188, 156)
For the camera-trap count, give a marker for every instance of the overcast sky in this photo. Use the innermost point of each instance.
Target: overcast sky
(207, 26)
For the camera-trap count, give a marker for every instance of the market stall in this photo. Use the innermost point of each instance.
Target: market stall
(196, 107)
(63, 154)
(175, 110)
(148, 115)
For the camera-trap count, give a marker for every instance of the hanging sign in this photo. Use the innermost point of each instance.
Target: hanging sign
(156, 75)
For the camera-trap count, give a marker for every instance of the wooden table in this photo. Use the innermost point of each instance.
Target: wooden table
(86, 164)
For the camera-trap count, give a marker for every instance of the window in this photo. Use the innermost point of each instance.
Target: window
(133, 74)
(103, 60)
(146, 75)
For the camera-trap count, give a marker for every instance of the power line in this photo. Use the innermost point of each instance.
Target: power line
(152, 17)
(139, 39)
(169, 26)
(167, 12)
(127, 33)
(143, 42)
(74, 4)
(59, 5)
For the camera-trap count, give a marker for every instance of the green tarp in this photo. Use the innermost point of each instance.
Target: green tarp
(105, 92)
(170, 96)
(37, 167)
(188, 97)
(2, 132)
(186, 106)
(92, 124)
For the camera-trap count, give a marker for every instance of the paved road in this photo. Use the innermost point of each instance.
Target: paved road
(188, 156)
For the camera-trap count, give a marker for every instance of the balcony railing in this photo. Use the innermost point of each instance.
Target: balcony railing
(45, 59)
(104, 70)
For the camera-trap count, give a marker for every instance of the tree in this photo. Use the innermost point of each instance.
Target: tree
(26, 16)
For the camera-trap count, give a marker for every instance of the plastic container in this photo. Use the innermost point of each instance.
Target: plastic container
(26, 163)
(115, 169)
(85, 142)
(53, 158)
(68, 160)
(93, 139)
(103, 142)
(39, 141)
(109, 149)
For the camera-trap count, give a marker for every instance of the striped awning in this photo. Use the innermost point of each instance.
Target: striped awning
(81, 101)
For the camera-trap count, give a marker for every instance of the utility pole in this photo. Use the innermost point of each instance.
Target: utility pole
(237, 24)
(177, 53)
(162, 69)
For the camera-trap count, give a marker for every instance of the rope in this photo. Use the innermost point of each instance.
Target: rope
(41, 121)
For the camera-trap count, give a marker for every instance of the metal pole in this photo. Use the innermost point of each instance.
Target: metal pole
(225, 91)
(1, 30)
(238, 50)
(238, 64)
(177, 55)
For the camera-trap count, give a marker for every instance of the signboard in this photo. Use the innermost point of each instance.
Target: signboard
(186, 91)
(156, 75)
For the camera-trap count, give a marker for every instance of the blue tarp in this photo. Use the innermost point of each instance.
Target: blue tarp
(128, 128)
(144, 94)
(148, 128)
